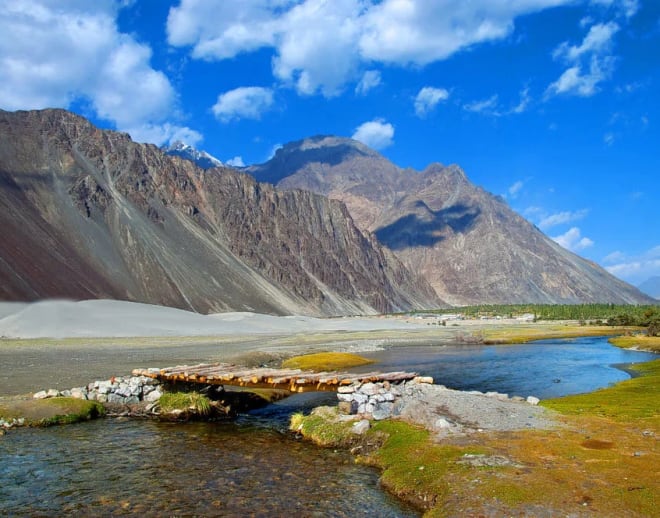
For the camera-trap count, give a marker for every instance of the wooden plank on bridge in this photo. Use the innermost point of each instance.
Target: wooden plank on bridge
(294, 380)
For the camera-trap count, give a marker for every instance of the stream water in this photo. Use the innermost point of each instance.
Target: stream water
(252, 467)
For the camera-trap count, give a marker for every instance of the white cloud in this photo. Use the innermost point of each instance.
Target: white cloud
(237, 161)
(316, 46)
(322, 45)
(377, 134)
(164, 133)
(627, 8)
(514, 190)
(609, 139)
(597, 40)
(636, 268)
(560, 218)
(590, 63)
(273, 151)
(523, 104)
(572, 240)
(246, 102)
(55, 54)
(370, 80)
(488, 106)
(428, 98)
(423, 31)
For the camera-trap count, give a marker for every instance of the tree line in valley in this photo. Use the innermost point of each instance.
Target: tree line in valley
(611, 314)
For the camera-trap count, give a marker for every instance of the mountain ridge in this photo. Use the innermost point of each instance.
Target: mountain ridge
(95, 215)
(469, 245)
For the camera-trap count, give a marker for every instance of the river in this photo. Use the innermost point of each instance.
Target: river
(252, 467)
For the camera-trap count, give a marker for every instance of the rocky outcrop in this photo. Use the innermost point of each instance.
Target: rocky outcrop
(468, 244)
(88, 213)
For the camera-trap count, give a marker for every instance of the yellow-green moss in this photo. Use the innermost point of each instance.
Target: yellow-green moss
(637, 341)
(51, 411)
(323, 427)
(330, 361)
(527, 333)
(636, 398)
(602, 460)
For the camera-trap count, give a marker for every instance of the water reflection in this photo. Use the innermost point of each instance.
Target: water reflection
(546, 368)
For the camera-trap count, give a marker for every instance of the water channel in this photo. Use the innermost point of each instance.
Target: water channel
(252, 467)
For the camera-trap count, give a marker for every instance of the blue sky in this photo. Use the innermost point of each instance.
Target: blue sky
(554, 104)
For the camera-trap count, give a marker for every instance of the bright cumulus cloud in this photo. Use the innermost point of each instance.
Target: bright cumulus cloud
(377, 134)
(573, 240)
(320, 45)
(54, 54)
(428, 98)
(246, 102)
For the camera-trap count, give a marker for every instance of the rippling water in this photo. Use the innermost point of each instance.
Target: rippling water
(252, 467)
(114, 467)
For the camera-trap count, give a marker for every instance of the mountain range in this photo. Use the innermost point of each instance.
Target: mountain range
(467, 243)
(88, 213)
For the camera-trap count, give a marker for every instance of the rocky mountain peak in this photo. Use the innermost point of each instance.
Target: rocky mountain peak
(188, 152)
(467, 243)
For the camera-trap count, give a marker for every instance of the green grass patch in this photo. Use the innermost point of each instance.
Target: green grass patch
(642, 342)
(51, 411)
(329, 361)
(636, 398)
(185, 401)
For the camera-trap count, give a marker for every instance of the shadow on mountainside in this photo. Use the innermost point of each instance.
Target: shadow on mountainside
(415, 230)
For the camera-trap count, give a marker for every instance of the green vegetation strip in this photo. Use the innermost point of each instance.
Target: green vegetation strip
(641, 342)
(51, 411)
(329, 361)
(636, 398)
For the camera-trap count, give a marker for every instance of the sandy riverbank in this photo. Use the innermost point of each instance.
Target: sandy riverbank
(61, 344)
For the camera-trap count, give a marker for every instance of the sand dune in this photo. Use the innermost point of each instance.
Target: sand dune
(112, 318)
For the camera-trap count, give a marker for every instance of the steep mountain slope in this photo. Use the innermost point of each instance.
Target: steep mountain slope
(469, 245)
(89, 213)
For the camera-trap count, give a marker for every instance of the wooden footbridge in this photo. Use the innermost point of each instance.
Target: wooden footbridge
(294, 380)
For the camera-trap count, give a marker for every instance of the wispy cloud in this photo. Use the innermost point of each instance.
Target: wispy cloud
(561, 218)
(492, 106)
(573, 240)
(486, 106)
(515, 189)
(634, 268)
(589, 63)
(428, 98)
(370, 80)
